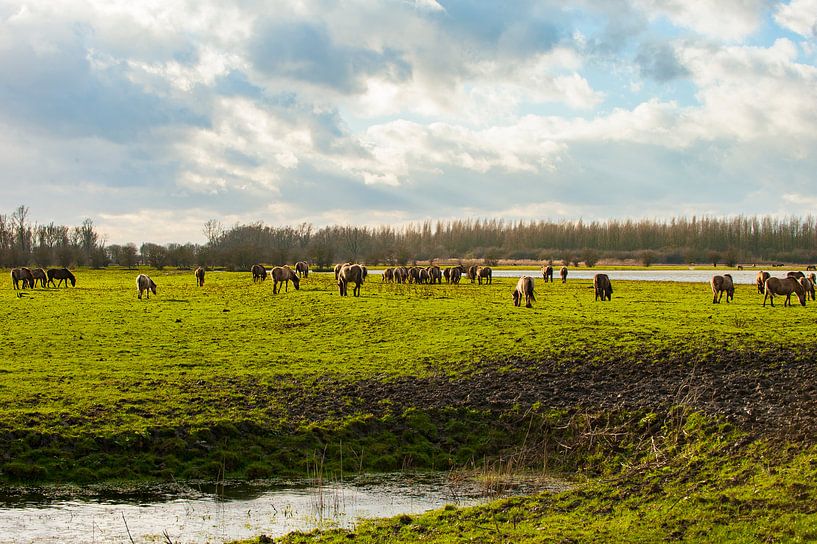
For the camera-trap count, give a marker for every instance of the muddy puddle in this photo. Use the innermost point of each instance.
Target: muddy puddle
(202, 513)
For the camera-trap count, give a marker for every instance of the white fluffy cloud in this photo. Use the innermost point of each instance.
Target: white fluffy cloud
(799, 16)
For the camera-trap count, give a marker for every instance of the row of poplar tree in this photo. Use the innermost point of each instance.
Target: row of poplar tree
(678, 240)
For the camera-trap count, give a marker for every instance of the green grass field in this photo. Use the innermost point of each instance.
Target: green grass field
(229, 380)
(95, 359)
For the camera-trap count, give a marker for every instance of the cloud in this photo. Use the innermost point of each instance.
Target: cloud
(728, 20)
(754, 92)
(304, 51)
(799, 16)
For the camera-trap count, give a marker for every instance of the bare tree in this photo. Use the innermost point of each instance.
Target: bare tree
(213, 230)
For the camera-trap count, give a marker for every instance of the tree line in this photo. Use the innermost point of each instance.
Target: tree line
(679, 240)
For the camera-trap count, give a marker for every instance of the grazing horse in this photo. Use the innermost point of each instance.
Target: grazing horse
(39, 274)
(423, 276)
(811, 267)
(813, 278)
(413, 275)
(435, 274)
(447, 274)
(259, 272)
(784, 286)
(283, 275)
(22, 274)
(720, 285)
(62, 274)
(602, 287)
(760, 280)
(471, 274)
(400, 274)
(388, 275)
(808, 286)
(338, 267)
(350, 273)
(524, 288)
(199, 277)
(485, 273)
(547, 273)
(144, 283)
(302, 269)
(456, 274)
(563, 274)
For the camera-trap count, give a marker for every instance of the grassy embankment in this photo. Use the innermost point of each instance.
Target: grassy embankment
(230, 381)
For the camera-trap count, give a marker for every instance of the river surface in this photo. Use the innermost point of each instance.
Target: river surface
(692, 276)
(233, 511)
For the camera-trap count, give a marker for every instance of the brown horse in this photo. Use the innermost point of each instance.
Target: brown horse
(456, 274)
(22, 274)
(784, 286)
(61, 274)
(302, 269)
(199, 276)
(563, 274)
(388, 275)
(144, 283)
(283, 275)
(423, 276)
(602, 287)
(259, 272)
(471, 274)
(435, 274)
(39, 274)
(760, 280)
(547, 273)
(808, 286)
(400, 274)
(813, 278)
(720, 285)
(524, 288)
(338, 267)
(350, 273)
(485, 273)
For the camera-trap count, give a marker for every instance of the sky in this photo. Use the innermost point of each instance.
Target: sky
(152, 117)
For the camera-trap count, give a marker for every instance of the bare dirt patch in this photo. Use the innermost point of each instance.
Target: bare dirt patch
(772, 393)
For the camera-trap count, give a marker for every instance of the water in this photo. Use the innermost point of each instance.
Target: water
(692, 276)
(236, 511)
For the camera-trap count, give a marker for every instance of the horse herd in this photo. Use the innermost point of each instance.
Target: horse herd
(797, 283)
(29, 278)
(434, 274)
